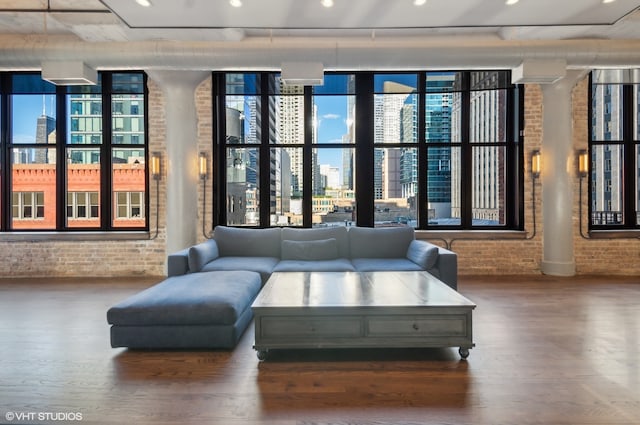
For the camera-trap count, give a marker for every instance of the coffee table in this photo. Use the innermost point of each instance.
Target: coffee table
(360, 309)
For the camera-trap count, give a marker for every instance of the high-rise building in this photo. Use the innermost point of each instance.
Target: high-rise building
(607, 160)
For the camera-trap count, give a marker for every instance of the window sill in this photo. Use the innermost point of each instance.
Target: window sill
(452, 235)
(613, 234)
(74, 236)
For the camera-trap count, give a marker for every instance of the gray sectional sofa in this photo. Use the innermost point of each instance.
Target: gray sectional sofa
(318, 249)
(206, 300)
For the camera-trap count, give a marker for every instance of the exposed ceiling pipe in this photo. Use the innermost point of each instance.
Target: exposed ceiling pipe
(27, 53)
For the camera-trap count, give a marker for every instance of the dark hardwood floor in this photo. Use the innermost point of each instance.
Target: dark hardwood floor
(548, 351)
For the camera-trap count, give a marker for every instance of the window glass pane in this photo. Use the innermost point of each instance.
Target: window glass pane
(489, 80)
(33, 119)
(333, 119)
(128, 119)
(285, 188)
(129, 177)
(607, 105)
(395, 83)
(31, 84)
(442, 82)
(34, 180)
(488, 116)
(439, 108)
(607, 163)
(128, 82)
(238, 84)
(337, 84)
(488, 186)
(289, 119)
(85, 119)
(333, 202)
(243, 120)
(243, 180)
(83, 176)
(395, 201)
(443, 186)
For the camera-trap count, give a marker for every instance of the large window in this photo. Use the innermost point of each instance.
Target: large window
(69, 152)
(431, 150)
(614, 149)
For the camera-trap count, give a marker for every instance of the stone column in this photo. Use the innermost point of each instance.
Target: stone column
(182, 154)
(557, 176)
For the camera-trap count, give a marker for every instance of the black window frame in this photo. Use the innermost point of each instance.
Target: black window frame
(106, 88)
(365, 147)
(629, 217)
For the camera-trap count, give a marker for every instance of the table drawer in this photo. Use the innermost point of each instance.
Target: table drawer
(424, 326)
(333, 326)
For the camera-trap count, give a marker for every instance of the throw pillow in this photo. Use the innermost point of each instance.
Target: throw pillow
(318, 250)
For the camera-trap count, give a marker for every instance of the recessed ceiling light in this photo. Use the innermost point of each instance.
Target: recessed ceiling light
(608, 1)
(327, 3)
(144, 3)
(235, 3)
(419, 2)
(510, 2)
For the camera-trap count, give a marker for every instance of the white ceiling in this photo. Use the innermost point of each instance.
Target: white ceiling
(209, 35)
(216, 20)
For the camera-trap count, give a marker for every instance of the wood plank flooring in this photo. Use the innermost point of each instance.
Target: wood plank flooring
(548, 351)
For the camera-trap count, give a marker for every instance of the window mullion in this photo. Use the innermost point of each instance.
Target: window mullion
(106, 166)
(466, 153)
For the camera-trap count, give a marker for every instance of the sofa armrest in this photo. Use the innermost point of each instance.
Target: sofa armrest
(447, 266)
(178, 263)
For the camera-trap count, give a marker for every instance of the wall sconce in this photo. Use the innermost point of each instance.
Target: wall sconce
(155, 165)
(536, 167)
(155, 168)
(203, 170)
(583, 163)
(583, 171)
(536, 163)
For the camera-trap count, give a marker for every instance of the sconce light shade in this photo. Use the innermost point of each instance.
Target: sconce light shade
(203, 170)
(583, 163)
(536, 163)
(154, 167)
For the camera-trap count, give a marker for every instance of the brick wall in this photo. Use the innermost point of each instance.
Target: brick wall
(147, 257)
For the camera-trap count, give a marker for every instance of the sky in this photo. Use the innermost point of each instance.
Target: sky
(26, 110)
(332, 126)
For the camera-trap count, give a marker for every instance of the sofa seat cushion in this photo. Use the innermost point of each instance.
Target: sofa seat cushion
(262, 265)
(214, 298)
(337, 265)
(384, 264)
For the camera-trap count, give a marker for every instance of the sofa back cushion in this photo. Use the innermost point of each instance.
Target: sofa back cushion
(238, 242)
(318, 250)
(385, 242)
(339, 233)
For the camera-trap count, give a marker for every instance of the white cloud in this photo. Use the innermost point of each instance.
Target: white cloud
(331, 116)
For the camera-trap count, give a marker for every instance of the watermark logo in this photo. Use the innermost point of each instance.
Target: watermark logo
(17, 417)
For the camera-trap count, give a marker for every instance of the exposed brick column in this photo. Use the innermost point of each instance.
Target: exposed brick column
(182, 154)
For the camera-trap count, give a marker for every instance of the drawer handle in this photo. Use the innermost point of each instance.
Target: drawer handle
(415, 326)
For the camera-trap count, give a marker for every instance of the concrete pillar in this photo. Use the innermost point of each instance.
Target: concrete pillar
(182, 154)
(557, 176)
